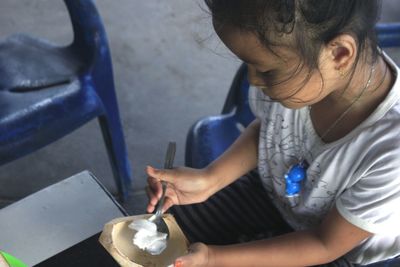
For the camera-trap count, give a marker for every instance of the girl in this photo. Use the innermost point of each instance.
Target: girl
(325, 141)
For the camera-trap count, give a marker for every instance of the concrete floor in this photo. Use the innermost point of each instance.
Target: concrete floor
(169, 69)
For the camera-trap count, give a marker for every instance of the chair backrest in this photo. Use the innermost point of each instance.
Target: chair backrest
(89, 34)
(237, 99)
(90, 42)
(388, 34)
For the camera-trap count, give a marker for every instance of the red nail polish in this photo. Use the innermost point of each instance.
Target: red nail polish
(178, 264)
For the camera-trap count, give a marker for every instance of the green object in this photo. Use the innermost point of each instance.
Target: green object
(12, 261)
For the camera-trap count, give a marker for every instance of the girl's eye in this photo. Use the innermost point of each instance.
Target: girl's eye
(268, 74)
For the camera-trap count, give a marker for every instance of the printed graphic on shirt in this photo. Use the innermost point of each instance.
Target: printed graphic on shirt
(282, 145)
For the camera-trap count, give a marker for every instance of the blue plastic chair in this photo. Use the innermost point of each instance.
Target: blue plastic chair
(209, 137)
(48, 91)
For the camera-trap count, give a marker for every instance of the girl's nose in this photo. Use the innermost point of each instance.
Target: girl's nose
(254, 78)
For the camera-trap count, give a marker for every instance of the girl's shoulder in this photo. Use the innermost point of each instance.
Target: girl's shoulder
(386, 117)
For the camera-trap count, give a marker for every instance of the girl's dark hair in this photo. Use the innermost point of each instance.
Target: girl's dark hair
(312, 23)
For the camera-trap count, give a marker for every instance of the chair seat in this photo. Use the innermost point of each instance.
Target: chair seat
(40, 117)
(41, 95)
(27, 63)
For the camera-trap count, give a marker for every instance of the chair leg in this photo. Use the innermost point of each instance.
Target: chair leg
(115, 143)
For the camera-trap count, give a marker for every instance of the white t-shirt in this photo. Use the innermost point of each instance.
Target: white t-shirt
(359, 173)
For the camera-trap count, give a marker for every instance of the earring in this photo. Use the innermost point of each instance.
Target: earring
(341, 73)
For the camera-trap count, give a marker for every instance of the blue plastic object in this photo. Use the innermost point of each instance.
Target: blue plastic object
(388, 34)
(48, 91)
(293, 178)
(209, 137)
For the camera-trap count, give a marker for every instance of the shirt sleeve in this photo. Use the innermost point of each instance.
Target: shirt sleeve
(373, 202)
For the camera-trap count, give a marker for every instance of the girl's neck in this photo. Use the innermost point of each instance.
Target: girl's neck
(366, 90)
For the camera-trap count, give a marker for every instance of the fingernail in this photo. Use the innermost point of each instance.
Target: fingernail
(178, 264)
(150, 168)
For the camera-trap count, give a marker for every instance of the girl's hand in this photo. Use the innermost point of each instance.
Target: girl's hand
(200, 255)
(185, 186)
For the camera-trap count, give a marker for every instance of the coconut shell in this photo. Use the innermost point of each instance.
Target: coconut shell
(116, 238)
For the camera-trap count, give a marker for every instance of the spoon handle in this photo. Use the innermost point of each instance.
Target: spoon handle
(169, 157)
(168, 164)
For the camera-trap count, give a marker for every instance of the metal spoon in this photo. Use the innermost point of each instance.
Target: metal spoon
(157, 217)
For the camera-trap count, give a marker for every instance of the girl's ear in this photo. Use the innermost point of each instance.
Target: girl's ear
(342, 50)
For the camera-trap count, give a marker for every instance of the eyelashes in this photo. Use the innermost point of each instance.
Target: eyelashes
(275, 78)
(269, 77)
(267, 74)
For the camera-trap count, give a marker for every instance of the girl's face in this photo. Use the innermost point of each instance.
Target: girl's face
(280, 73)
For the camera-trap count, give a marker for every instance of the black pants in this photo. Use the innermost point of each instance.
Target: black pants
(240, 212)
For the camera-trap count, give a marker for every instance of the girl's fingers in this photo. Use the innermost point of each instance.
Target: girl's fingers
(162, 175)
(150, 208)
(155, 186)
(196, 256)
(152, 200)
(168, 203)
(154, 190)
(151, 195)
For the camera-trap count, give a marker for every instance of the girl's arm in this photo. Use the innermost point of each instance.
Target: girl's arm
(238, 159)
(332, 239)
(188, 185)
